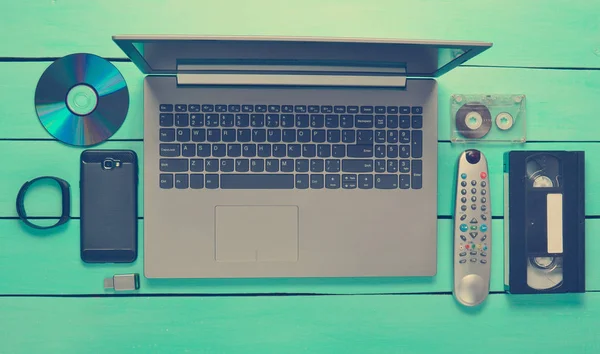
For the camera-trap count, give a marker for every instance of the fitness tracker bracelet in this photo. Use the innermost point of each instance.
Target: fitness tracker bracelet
(66, 202)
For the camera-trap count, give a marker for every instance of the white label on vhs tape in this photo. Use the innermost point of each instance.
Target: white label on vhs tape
(555, 223)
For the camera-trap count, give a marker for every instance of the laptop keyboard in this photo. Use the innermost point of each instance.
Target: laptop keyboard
(290, 146)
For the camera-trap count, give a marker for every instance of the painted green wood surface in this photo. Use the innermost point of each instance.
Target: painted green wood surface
(63, 272)
(555, 324)
(563, 107)
(558, 33)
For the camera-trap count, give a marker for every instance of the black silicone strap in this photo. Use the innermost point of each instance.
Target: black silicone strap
(66, 202)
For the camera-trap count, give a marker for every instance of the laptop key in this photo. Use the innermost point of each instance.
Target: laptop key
(212, 165)
(392, 110)
(404, 181)
(247, 108)
(417, 144)
(220, 108)
(379, 151)
(242, 165)
(302, 181)
(234, 150)
(181, 181)
(194, 108)
(288, 136)
(279, 150)
(274, 135)
(274, 108)
(173, 165)
(380, 121)
(166, 107)
(360, 150)
(318, 135)
(188, 150)
(357, 165)
(196, 181)
(287, 165)
(264, 150)
(379, 109)
(287, 120)
(203, 150)
(197, 165)
(244, 135)
(258, 181)
(302, 120)
(213, 135)
(228, 135)
(404, 136)
(364, 121)
(365, 181)
(317, 165)
(404, 151)
(180, 108)
(386, 181)
(272, 120)
(249, 150)
(219, 150)
(166, 119)
(257, 120)
(404, 122)
(257, 165)
(338, 151)
(198, 135)
(392, 121)
(404, 110)
(302, 165)
(317, 121)
(287, 108)
(352, 109)
(324, 150)
(303, 135)
(379, 165)
(183, 135)
(212, 181)
(182, 119)
(242, 120)
(417, 110)
(208, 108)
(332, 181)
(227, 120)
(169, 150)
(364, 137)
(404, 166)
(197, 119)
(167, 134)
(259, 135)
(212, 120)
(417, 176)
(309, 150)
(234, 108)
(261, 108)
(166, 181)
(417, 122)
(333, 136)
(347, 121)
(348, 136)
(332, 165)
(227, 165)
(339, 109)
(317, 181)
(272, 165)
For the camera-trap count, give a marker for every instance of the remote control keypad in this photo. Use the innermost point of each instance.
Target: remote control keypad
(474, 248)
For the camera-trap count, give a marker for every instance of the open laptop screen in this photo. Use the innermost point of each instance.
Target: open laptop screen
(177, 54)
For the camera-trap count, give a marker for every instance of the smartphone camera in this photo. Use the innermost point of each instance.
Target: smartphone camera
(108, 164)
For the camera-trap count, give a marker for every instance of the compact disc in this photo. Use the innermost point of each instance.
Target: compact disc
(473, 120)
(81, 99)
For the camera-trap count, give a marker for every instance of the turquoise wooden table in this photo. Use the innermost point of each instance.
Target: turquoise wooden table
(50, 301)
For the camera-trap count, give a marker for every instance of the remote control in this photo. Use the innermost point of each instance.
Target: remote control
(472, 230)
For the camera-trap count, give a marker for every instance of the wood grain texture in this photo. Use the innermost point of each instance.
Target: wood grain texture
(38, 262)
(552, 115)
(328, 324)
(53, 158)
(561, 33)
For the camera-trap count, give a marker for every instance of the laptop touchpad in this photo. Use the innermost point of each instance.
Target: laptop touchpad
(256, 233)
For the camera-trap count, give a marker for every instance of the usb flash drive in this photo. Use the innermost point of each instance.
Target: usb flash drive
(122, 282)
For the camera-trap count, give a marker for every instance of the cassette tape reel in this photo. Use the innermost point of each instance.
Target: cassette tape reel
(544, 229)
(487, 118)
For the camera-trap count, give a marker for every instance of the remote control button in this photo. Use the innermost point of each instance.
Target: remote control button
(473, 199)
(473, 207)
(462, 254)
(463, 208)
(483, 175)
(463, 176)
(473, 234)
(483, 254)
(474, 190)
(483, 217)
(463, 183)
(473, 227)
(483, 199)
(463, 199)
(483, 238)
(483, 228)
(473, 182)
(483, 184)
(467, 246)
(473, 156)
(463, 217)
(473, 260)
(483, 192)
(462, 237)
(473, 253)
(483, 208)
(463, 191)
(463, 227)
(485, 248)
(462, 261)
(479, 246)
(483, 261)
(473, 221)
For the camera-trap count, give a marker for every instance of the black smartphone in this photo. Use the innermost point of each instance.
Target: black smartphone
(108, 185)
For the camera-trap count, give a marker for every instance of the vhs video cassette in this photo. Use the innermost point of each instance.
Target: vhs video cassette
(487, 118)
(544, 222)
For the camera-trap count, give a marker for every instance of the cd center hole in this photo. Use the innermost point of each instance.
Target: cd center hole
(82, 99)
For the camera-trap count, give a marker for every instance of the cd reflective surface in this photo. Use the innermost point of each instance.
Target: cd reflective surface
(81, 99)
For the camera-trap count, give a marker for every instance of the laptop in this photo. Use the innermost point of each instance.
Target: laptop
(290, 157)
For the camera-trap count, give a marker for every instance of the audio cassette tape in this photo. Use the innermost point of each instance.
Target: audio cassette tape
(544, 222)
(487, 118)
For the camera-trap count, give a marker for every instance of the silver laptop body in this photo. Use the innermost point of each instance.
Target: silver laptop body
(290, 157)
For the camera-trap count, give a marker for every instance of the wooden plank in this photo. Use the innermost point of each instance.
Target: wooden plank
(329, 324)
(566, 35)
(561, 103)
(50, 259)
(51, 158)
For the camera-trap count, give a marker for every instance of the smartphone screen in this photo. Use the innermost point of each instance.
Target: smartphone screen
(108, 184)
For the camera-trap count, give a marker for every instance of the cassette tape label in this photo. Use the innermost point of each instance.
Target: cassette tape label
(554, 222)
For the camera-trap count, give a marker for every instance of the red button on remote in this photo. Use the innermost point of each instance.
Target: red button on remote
(483, 175)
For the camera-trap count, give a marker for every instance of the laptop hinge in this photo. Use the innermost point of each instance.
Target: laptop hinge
(292, 80)
(291, 75)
